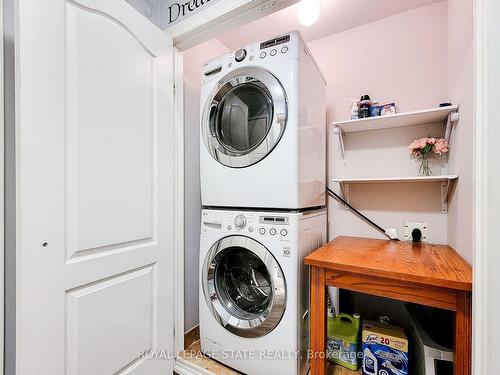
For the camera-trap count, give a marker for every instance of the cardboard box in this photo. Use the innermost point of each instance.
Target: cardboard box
(385, 350)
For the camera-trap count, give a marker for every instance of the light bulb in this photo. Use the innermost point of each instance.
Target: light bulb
(308, 11)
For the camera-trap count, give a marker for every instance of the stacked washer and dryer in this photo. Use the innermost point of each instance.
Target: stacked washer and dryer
(263, 156)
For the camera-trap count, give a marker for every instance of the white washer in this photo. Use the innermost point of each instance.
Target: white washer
(254, 288)
(263, 127)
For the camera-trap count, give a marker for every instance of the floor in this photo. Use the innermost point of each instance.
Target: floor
(194, 355)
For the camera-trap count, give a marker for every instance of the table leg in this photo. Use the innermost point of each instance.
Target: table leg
(463, 334)
(318, 321)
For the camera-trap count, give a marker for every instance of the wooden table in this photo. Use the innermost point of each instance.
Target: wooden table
(430, 275)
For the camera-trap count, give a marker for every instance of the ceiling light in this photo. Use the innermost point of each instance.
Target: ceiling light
(309, 11)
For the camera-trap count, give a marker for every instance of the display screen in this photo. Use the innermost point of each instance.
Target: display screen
(275, 42)
(273, 220)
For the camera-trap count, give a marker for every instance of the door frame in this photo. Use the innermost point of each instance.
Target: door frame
(179, 199)
(2, 192)
(486, 184)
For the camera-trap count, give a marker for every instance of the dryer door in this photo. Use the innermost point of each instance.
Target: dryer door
(244, 117)
(244, 286)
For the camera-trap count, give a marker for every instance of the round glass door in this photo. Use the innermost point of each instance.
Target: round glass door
(244, 286)
(245, 117)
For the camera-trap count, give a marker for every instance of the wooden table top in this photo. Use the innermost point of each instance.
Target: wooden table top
(437, 265)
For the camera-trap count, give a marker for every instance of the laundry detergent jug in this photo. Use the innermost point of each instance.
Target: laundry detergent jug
(342, 340)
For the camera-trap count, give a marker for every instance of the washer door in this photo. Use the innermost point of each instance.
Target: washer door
(244, 117)
(244, 286)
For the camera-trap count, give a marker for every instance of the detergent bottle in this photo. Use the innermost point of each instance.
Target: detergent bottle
(342, 340)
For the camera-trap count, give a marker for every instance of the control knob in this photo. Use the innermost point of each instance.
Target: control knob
(240, 55)
(240, 221)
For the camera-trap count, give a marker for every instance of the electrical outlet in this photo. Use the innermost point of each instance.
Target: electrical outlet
(411, 225)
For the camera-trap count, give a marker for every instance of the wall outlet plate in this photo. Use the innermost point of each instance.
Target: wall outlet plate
(410, 225)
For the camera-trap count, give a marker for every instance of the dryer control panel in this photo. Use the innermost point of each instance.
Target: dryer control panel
(256, 54)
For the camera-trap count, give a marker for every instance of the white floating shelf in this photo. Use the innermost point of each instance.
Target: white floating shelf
(446, 115)
(446, 182)
(428, 116)
(378, 180)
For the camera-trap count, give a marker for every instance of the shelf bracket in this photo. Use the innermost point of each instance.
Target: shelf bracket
(445, 194)
(450, 122)
(337, 130)
(345, 193)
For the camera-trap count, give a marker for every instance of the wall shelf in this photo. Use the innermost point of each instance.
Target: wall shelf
(446, 182)
(448, 115)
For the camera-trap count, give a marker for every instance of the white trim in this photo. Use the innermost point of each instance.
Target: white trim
(184, 367)
(479, 282)
(179, 198)
(220, 17)
(2, 194)
(486, 261)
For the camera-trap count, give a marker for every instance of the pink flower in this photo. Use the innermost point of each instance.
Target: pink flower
(417, 144)
(441, 146)
(422, 142)
(431, 141)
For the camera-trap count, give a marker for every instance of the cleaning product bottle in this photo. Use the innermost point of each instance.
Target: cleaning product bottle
(370, 364)
(354, 110)
(342, 340)
(364, 106)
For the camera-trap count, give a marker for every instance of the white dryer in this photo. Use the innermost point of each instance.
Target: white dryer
(263, 127)
(254, 288)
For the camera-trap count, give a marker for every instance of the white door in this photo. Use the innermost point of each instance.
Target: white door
(95, 158)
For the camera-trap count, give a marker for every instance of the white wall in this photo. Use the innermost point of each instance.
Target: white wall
(193, 60)
(403, 59)
(460, 90)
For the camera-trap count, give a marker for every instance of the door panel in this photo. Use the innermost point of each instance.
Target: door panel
(125, 306)
(102, 187)
(95, 147)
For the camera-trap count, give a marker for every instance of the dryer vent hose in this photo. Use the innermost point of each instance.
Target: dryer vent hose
(390, 233)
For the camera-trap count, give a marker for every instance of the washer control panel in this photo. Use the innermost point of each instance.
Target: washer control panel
(255, 224)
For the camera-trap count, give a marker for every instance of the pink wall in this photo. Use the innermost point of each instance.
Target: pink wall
(193, 60)
(460, 90)
(402, 58)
